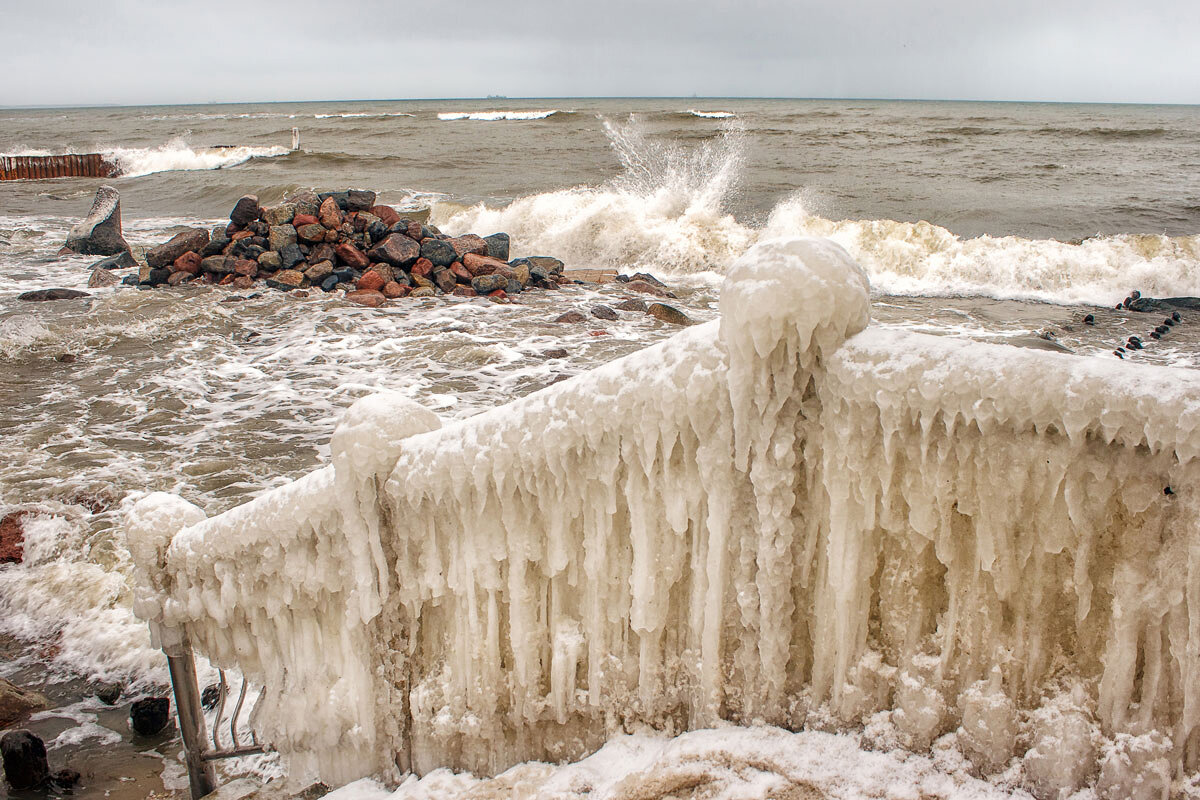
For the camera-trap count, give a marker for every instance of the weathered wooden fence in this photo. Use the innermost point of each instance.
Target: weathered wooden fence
(80, 165)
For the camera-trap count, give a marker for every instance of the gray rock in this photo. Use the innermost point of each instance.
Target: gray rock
(550, 264)
(439, 253)
(280, 236)
(100, 232)
(270, 260)
(497, 245)
(291, 255)
(165, 254)
(319, 272)
(245, 211)
(396, 249)
(102, 278)
(40, 295)
(485, 284)
(281, 214)
(602, 311)
(306, 202)
(669, 314)
(444, 279)
(218, 265)
(571, 316)
(122, 260)
(632, 304)
(217, 241)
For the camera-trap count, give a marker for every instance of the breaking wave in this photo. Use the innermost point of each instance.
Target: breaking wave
(493, 116)
(711, 114)
(368, 114)
(665, 212)
(178, 155)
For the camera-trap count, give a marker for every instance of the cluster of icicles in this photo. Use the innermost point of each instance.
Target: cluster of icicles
(782, 517)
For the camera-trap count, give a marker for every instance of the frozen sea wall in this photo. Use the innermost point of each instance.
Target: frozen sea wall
(784, 517)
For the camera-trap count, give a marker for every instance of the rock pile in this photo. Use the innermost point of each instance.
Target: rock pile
(343, 240)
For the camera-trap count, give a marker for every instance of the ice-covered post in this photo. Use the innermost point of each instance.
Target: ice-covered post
(152, 524)
(786, 306)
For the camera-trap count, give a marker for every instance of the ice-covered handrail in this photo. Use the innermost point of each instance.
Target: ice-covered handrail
(771, 518)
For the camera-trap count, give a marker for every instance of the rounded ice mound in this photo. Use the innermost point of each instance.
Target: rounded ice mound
(367, 439)
(809, 283)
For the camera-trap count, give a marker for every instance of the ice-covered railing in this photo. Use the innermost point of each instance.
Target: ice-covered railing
(775, 518)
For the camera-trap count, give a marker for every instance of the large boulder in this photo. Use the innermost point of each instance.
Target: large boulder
(468, 243)
(497, 245)
(17, 703)
(25, 764)
(245, 211)
(359, 200)
(439, 253)
(396, 249)
(193, 239)
(41, 295)
(100, 232)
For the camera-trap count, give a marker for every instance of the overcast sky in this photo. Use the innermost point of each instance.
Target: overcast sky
(135, 52)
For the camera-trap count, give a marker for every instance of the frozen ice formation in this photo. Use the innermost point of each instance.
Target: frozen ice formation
(778, 513)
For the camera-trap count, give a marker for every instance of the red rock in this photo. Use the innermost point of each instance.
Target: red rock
(246, 268)
(598, 333)
(366, 298)
(330, 215)
(648, 288)
(351, 256)
(461, 272)
(422, 267)
(414, 230)
(12, 537)
(237, 237)
(227, 280)
(286, 279)
(468, 243)
(333, 236)
(371, 282)
(392, 289)
(498, 293)
(387, 215)
(464, 291)
(243, 282)
(481, 264)
(304, 219)
(188, 262)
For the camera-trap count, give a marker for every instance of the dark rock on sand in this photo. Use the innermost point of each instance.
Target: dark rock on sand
(438, 252)
(1164, 304)
(165, 254)
(108, 693)
(642, 276)
(122, 260)
(602, 311)
(497, 245)
(25, 765)
(40, 295)
(210, 696)
(632, 304)
(646, 287)
(245, 211)
(483, 284)
(102, 278)
(571, 316)
(17, 703)
(666, 313)
(359, 200)
(149, 715)
(217, 242)
(100, 232)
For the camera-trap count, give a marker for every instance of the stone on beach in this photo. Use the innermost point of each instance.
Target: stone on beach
(122, 260)
(497, 245)
(99, 234)
(41, 295)
(102, 278)
(25, 764)
(366, 297)
(17, 703)
(245, 211)
(397, 249)
(165, 254)
(439, 253)
(149, 715)
(666, 313)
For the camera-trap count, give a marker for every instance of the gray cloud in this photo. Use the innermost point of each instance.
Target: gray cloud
(143, 52)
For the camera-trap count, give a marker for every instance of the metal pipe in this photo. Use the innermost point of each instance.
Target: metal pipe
(202, 778)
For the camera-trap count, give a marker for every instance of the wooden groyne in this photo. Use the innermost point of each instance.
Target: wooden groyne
(81, 165)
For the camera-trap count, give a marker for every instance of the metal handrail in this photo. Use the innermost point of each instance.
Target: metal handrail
(201, 775)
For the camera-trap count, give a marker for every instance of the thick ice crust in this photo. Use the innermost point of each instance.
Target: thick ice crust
(756, 520)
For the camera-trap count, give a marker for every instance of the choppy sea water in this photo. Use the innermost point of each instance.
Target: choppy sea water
(1000, 222)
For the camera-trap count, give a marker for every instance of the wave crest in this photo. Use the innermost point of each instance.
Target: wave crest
(178, 155)
(494, 116)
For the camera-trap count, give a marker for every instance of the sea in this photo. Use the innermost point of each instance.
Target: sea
(1000, 222)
